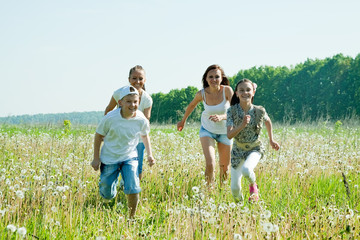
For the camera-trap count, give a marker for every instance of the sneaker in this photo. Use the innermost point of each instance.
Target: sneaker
(254, 193)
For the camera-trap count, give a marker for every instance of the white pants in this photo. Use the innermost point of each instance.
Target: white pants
(246, 169)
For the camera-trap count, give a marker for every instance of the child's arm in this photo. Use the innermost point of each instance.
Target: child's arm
(147, 113)
(189, 109)
(146, 141)
(112, 104)
(273, 144)
(97, 142)
(233, 131)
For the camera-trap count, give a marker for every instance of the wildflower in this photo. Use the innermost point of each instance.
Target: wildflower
(53, 209)
(275, 228)
(267, 214)
(232, 205)
(22, 231)
(195, 189)
(212, 237)
(268, 227)
(170, 184)
(100, 238)
(2, 212)
(11, 227)
(237, 236)
(19, 194)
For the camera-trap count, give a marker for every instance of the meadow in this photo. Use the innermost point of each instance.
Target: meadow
(309, 189)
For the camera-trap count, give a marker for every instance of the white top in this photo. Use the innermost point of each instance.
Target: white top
(121, 136)
(221, 108)
(145, 102)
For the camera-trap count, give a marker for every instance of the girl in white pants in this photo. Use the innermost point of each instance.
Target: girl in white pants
(244, 123)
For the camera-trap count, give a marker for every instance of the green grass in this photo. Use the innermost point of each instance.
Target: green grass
(48, 187)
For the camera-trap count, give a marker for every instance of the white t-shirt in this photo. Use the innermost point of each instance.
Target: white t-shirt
(121, 136)
(146, 100)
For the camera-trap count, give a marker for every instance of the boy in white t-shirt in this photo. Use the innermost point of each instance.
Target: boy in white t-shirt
(120, 131)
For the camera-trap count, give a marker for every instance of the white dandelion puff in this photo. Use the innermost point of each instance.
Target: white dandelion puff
(195, 190)
(19, 194)
(268, 227)
(237, 236)
(11, 228)
(21, 231)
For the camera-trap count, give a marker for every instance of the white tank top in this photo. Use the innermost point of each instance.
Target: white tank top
(221, 108)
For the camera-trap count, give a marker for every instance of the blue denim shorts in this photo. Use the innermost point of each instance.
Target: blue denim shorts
(140, 150)
(109, 178)
(222, 138)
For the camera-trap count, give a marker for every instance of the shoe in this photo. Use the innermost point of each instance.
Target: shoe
(254, 193)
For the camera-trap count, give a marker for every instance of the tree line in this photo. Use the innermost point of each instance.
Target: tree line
(316, 89)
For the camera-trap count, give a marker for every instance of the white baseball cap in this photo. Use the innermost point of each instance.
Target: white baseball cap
(127, 90)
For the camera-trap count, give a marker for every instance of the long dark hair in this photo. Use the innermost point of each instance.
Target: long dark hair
(235, 99)
(137, 68)
(225, 80)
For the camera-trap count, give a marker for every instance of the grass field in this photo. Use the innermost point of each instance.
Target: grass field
(309, 189)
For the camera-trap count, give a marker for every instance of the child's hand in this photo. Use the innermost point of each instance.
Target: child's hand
(180, 126)
(151, 160)
(275, 145)
(96, 164)
(215, 118)
(246, 119)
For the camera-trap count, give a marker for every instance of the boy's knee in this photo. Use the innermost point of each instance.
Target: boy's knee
(106, 192)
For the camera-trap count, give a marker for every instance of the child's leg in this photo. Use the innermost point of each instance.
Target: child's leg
(140, 150)
(224, 160)
(133, 200)
(249, 165)
(208, 146)
(108, 180)
(131, 183)
(236, 176)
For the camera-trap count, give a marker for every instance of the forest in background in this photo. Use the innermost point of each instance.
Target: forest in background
(327, 89)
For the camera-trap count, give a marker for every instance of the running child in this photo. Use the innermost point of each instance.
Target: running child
(120, 130)
(244, 123)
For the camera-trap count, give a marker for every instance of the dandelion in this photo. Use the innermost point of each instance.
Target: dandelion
(53, 209)
(195, 190)
(237, 236)
(268, 227)
(11, 228)
(267, 214)
(170, 184)
(21, 231)
(19, 194)
(232, 205)
(275, 228)
(212, 237)
(100, 238)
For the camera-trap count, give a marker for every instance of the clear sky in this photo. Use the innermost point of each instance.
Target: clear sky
(70, 55)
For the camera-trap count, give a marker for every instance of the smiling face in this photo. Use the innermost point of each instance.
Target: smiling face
(214, 78)
(137, 79)
(245, 92)
(129, 104)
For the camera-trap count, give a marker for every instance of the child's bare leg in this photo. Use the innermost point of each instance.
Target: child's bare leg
(224, 161)
(133, 200)
(208, 146)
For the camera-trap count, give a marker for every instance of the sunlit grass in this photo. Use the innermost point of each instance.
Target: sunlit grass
(49, 191)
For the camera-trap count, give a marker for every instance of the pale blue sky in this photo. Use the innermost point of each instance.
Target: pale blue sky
(69, 55)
